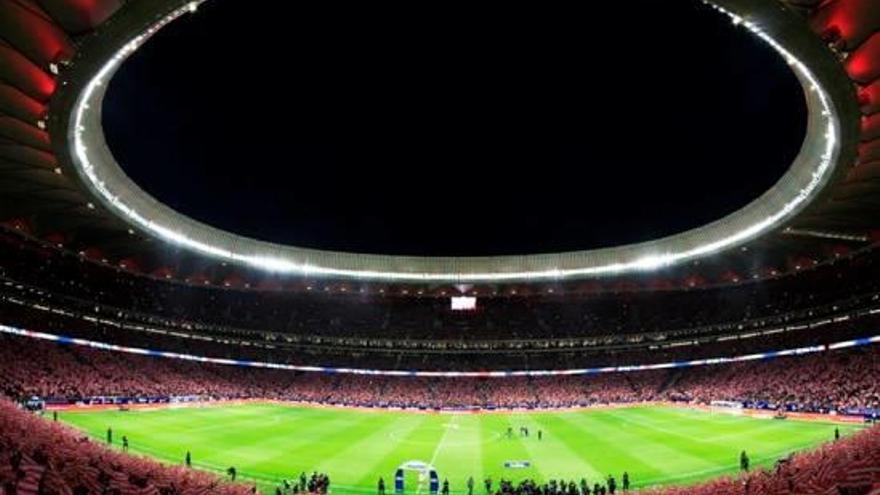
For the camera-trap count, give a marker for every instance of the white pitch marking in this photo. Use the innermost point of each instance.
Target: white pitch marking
(449, 427)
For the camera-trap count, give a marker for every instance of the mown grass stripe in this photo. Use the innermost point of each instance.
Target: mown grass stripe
(268, 442)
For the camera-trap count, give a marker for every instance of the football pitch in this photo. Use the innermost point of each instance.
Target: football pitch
(269, 442)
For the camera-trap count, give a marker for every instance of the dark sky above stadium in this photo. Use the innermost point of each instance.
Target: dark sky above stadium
(440, 129)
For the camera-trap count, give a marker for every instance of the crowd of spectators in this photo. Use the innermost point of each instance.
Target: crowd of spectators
(373, 315)
(22, 307)
(846, 467)
(48, 290)
(840, 381)
(44, 289)
(40, 457)
(818, 382)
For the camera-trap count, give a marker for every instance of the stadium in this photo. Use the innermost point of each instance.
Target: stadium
(410, 249)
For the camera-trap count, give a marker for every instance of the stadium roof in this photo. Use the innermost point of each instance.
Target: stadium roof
(60, 183)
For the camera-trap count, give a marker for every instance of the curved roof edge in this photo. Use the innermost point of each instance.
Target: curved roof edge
(831, 139)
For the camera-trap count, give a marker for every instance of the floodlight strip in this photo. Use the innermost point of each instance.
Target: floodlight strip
(438, 374)
(297, 261)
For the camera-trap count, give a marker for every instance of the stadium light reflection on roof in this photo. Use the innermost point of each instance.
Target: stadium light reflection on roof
(120, 195)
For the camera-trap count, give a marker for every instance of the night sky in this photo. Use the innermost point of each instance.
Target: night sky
(442, 130)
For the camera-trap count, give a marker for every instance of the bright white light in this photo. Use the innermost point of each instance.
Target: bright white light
(290, 260)
(652, 262)
(464, 303)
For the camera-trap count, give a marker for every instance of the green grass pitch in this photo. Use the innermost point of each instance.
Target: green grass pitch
(268, 442)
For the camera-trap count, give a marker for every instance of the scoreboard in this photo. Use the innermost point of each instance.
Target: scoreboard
(464, 303)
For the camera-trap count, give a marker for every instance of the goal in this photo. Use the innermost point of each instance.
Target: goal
(726, 406)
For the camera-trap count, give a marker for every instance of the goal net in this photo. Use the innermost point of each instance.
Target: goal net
(726, 406)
